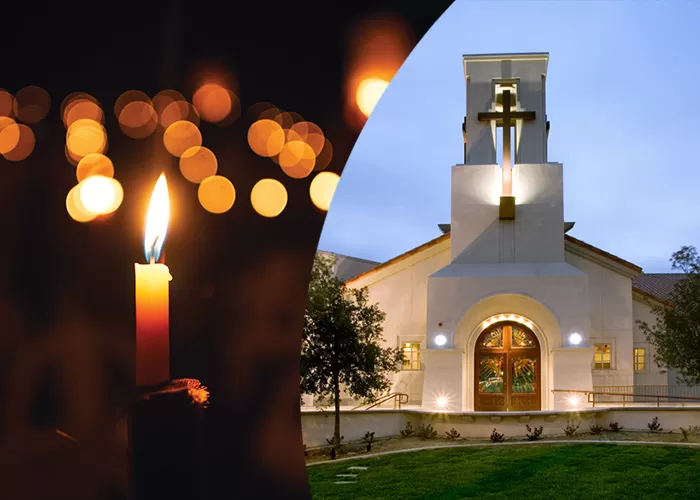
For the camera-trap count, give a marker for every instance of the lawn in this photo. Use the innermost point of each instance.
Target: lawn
(553, 472)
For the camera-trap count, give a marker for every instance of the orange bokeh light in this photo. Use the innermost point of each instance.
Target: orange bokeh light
(100, 195)
(297, 159)
(266, 138)
(214, 102)
(181, 136)
(128, 97)
(325, 156)
(6, 103)
(9, 134)
(378, 48)
(94, 164)
(216, 194)
(197, 163)
(178, 111)
(269, 197)
(24, 146)
(31, 104)
(86, 136)
(323, 188)
(138, 119)
(75, 207)
(369, 91)
(80, 105)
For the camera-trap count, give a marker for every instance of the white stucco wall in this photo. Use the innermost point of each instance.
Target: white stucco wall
(653, 375)
(401, 292)
(611, 320)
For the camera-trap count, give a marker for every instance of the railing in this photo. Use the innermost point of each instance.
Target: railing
(398, 397)
(631, 395)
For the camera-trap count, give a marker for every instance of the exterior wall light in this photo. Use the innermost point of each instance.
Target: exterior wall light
(575, 339)
(440, 340)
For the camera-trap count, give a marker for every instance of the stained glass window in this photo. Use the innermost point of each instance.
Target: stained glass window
(521, 338)
(492, 339)
(524, 374)
(491, 374)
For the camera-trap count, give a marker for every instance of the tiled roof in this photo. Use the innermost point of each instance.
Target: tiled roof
(657, 285)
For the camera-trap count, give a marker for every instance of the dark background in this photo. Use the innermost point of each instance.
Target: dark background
(239, 280)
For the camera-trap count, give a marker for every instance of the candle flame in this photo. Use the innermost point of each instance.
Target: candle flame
(157, 220)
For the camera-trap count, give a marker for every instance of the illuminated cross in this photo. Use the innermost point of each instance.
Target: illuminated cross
(506, 119)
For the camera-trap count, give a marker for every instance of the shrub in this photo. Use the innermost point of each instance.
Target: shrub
(654, 425)
(615, 427)
(533, 434)
(596, 429)
(452, 434)
(571, 428)
(408, 431)
(692, 430)
(497, 437)
(426, 431)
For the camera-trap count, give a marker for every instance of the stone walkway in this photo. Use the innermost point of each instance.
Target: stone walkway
(515, 443)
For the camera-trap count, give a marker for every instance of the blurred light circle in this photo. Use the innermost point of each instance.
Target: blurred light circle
(297, 159)
(179, 111)
(32, 104)
(75, 207)
(86, 136)
(81, 106)
(9, 134)
(138, 119)
(213, 101)
(164, 98)
(268, 197)
(216, 194)
(256, 110)
(128, 97)
(266, 138)
(197, 163)
(369, 91)
(6, 103)
(181, 136)
(24, 146)
(325, 156)
(323, 188)
(311, 134)
(94, 164)
(100, 195)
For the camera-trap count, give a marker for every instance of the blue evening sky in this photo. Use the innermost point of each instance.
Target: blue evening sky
(623, 94)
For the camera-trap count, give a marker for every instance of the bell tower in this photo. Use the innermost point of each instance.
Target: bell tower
(507, 210)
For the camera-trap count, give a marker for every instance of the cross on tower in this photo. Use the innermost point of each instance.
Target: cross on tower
(506, 119)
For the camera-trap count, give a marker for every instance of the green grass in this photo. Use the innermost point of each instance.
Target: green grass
(552, 472)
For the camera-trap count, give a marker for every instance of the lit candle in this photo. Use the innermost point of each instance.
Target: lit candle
(152, 304)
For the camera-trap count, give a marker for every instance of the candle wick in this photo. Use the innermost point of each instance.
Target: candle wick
(153, 250)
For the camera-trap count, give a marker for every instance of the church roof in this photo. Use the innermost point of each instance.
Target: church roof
(654, 286)
(658, 286)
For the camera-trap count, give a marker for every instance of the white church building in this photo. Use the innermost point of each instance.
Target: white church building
(506, 311)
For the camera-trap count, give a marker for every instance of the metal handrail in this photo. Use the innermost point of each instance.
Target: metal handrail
(398, 397)
(592, 396)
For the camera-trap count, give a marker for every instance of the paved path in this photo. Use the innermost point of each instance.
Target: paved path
(515, 443)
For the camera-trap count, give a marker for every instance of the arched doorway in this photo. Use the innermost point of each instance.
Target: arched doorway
(507, 369)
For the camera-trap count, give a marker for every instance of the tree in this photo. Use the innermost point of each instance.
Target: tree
(676, 333)
(341, 342)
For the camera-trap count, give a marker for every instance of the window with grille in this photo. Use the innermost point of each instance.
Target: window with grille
(602, 358)
(411, 355)
(639, 358)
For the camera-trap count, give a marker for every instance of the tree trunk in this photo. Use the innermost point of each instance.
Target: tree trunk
(336, 431)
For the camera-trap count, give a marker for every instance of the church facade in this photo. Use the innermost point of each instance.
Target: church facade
(506, 311)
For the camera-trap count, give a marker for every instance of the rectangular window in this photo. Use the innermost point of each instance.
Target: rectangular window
(602, 358)
(639, 357)
(411, 355)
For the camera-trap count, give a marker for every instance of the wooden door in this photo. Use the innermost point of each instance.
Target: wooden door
(507, 369)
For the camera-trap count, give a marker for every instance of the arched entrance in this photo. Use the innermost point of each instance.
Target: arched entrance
(507, 369)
